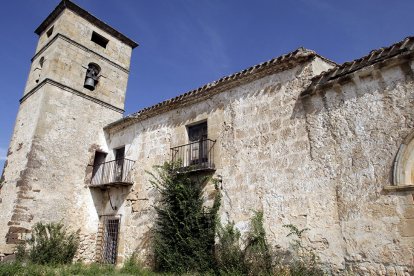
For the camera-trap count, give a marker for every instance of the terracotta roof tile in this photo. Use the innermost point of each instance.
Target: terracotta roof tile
(373, 57)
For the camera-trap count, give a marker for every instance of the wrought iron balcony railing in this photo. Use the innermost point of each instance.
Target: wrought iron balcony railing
(116, 172)
(195, 156)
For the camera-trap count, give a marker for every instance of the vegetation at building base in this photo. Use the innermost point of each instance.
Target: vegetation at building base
(30, 269)
(254, 259)
(303, 261)
(185, 229)
(50, 243)
(189, 240)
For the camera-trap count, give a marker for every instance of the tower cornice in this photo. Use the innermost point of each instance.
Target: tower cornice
(70, 90)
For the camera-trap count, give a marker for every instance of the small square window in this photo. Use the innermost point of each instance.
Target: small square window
(100, 40)
(49, 32)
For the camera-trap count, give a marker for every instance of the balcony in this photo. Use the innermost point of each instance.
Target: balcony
(195, 156)
(112, 173)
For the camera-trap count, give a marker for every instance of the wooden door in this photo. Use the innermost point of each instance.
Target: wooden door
(119, 164)
(197, 136)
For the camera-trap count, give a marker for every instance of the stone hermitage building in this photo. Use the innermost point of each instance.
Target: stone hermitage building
(311, 143)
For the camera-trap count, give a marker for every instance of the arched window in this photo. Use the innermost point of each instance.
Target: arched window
(403, 173)
(92, 75)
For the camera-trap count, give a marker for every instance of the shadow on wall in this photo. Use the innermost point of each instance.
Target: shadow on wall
(108, 201)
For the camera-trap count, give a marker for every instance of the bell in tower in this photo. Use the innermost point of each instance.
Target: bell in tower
(61, 122)
(92, 75)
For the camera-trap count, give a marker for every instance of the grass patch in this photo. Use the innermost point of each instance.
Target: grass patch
(31, 269)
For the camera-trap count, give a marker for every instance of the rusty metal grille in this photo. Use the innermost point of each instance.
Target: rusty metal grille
(111, 226)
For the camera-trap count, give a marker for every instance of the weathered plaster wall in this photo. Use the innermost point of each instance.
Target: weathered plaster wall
(355, 130)
(12, 192)
(320, 162)
(262, 154)
(52, 184)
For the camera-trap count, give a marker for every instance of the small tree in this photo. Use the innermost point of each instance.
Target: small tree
(50, 244)
(184, 228)
(254, 259)
(257, 253)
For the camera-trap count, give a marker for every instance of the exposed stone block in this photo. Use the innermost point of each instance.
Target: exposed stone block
(407, 228)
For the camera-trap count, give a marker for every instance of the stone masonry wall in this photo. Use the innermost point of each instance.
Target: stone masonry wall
(53, 186)
(261, 140)
(68, 67)
(77, 28)
(355, 130)
(320, 163)
(58, 129)
(12, 193)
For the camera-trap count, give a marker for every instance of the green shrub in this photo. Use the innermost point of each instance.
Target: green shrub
(13, 268)
(257, 254)
(305, 262)
(254, 259)
(229, 255)
(184, 228)
(50, 244)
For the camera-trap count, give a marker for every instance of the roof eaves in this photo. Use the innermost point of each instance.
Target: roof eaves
(374, 56)
(291, 59)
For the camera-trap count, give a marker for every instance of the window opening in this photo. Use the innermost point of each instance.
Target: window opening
(197, 135)
(100, 40)
(119, 163)
(98, 166)
(111, 226)
(49, 32)
(92, 76)
(403, 171)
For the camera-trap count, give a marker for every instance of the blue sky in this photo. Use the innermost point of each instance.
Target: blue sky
(187, 43)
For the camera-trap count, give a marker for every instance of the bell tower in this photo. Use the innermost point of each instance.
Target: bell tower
(76, 85)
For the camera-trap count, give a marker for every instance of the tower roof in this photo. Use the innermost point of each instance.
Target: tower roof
(67, 4)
